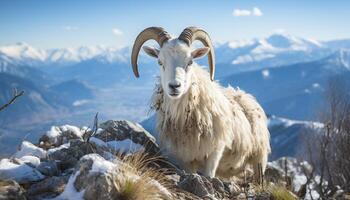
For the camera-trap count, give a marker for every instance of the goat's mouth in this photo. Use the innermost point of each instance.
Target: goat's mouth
(174, 94)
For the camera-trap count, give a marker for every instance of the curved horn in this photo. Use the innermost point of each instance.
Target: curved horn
(190, 34)
(156, 33)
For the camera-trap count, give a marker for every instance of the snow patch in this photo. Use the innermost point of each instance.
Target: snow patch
(29, 149)
(30, 160)
(63, 146)
(22, 173)
(277, 121)
(56, 131)
(124, 145)
(70, 193)
(100, 164)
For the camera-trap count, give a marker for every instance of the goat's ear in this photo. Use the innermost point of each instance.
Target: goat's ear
(153, 52)
(200, 52)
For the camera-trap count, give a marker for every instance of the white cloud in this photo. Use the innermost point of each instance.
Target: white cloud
(241, 13)
(257, 12)
(245, 13)
(70, 28)
(117, 31)
(265, 73)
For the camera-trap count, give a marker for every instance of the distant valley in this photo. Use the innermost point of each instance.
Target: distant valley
(287, 75)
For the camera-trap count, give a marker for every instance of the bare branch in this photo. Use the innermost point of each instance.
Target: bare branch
(16, 94)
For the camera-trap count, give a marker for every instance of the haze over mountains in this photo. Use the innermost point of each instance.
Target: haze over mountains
(287, 74)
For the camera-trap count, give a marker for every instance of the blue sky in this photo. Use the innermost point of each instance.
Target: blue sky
(68, 23)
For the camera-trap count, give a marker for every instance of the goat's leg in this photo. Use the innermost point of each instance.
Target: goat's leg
(189, 167)
(259, 166)
(212, 162)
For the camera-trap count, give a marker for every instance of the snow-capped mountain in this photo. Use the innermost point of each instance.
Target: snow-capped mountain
(293, 91)
(26, 55)
(340, 58)
(236, 56)
(288, 136)
(287, 74)
(21, 54)
(273, 51)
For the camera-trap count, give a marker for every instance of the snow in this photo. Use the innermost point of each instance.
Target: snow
(70, 193)
(100, 164)
(30, 160)
(271, 47)
(24, 54)
(22, 173)
(315, 42)
(240, 43)
(276, 121)
(28, 148)
(63, 146)
(98, 142)
(295, 170)
(56, 131)
(124, 145)
(23, 51)
(251, 58)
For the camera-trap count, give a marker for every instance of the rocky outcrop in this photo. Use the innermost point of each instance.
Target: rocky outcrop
(106, 163)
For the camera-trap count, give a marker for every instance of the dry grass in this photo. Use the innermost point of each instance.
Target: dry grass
(136, 180)
(277, 192)
(280, 193)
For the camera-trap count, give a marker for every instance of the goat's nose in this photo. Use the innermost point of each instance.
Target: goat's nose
(174, 85)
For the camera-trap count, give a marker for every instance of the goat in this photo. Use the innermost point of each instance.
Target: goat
(209, 129)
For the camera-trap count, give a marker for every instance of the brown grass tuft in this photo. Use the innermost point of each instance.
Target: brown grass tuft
(136, 180)
(277, 192)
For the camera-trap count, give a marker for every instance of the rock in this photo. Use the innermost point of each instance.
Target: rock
(48, 168)
(48, 188)
(91, 179)
(263, 196)
(69, 157)
(218, 185)
(208, 188)
(197, 185)
(123, 130)
(274, 175)
(20, 172)
(63, 146)
(59, 135)
(97, 178)
(29, 149)
(11, 190)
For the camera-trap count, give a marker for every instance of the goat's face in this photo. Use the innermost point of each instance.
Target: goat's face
(175, 59)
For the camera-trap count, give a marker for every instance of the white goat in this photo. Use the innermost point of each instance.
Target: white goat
(214, 130)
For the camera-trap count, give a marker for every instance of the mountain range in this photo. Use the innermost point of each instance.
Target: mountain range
(287, 74)
(293, 91)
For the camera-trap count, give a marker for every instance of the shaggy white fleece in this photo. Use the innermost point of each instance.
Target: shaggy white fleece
(215, 130)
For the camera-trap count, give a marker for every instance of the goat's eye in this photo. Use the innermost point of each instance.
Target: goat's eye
(160, 63)
(190, 63)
